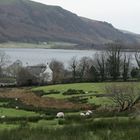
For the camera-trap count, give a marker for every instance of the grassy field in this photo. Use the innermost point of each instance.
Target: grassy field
(91, 89)
(94, 87)
(101, 125)
(10, 112)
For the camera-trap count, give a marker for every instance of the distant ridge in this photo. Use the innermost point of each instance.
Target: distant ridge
(28, 21)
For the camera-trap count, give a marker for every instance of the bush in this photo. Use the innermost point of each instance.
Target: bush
(41, 92)
(53, 92)
(73, 92)
(78, 99)
(19, 119)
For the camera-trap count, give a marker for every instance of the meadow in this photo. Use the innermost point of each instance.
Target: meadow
(95, 92)
(36, 116)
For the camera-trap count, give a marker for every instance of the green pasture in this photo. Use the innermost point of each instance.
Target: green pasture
(10, 112)
(91, 89)
(87, 87)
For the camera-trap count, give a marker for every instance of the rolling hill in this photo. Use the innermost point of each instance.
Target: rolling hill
(28, 21)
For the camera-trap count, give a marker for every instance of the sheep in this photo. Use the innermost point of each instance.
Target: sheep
(60, 115)
(89, 111)
(3, 116)
(17, 107)
(82, 114)
(16, 99)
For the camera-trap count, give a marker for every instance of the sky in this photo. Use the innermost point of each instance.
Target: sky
(123, 14)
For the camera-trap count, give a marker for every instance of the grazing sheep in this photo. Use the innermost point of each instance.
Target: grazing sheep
(16, 99)
(3, 116)
(17, 107)
(89, 111)
(82, 114)
(60, 115)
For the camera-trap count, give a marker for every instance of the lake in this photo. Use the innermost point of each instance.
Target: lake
(38, 56)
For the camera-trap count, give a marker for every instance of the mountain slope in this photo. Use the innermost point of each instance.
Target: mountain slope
(28, 21)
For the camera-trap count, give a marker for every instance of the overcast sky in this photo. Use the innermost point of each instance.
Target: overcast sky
(123, 14)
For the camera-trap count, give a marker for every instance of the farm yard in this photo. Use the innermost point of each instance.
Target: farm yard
(30, 113)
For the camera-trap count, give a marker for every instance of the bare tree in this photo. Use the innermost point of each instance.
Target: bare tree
(13, 69)
(124, 96)
(114, 60)
(25, 78)
(126, 66)
(83, 67)
(137, 57)
(100, 64)
(4, 59)
(58, 71)
(73, 65)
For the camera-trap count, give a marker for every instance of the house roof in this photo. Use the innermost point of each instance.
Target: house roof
(37, 70)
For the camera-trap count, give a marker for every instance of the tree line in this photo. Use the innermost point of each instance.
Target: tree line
(112, 64)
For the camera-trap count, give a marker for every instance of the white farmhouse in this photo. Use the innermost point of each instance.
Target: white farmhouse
(47, 74)
(42, 72)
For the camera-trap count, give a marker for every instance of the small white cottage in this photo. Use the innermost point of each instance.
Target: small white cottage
(47, 74)
(43, 73)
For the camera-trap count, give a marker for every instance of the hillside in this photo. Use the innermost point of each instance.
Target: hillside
(28, 21)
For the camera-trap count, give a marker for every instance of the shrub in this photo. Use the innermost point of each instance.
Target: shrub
(53, 92)
(78, 99)
(73, 92)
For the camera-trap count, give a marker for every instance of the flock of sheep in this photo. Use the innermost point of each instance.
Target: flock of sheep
(62, 115)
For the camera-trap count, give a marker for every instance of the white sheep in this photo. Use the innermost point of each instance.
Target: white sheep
(82, 114)
(17, 107)
(3, 116)
(89, 111)
(16, 99)
(60, 115)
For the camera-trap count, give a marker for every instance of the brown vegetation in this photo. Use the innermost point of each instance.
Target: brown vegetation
(29, 98)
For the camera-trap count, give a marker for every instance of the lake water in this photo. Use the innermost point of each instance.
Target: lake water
(38, 56)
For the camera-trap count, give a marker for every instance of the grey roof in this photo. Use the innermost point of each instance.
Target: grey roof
(36, 70)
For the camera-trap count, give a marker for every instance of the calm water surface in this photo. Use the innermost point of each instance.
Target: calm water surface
(37, 56)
